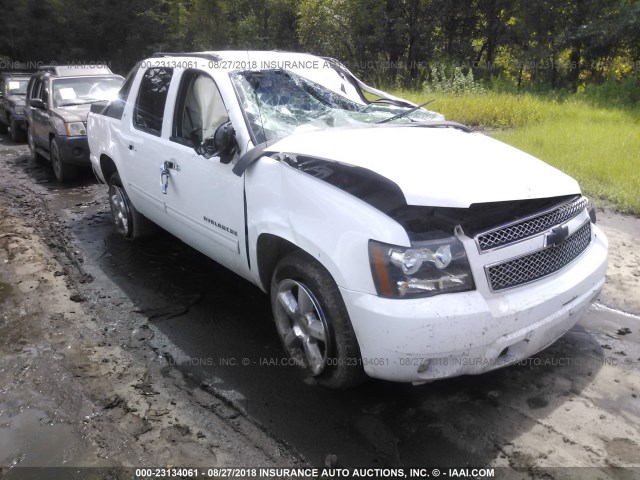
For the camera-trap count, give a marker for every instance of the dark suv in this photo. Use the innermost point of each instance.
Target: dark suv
(13, 88)
(58, 101)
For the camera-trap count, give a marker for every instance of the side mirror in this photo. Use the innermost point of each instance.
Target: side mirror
(223, 143)
(37, 103)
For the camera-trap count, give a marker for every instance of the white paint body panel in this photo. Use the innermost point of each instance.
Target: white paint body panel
(437, 166)
(432, 166)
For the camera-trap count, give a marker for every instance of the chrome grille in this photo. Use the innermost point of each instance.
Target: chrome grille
(539, 264)
(530, 226)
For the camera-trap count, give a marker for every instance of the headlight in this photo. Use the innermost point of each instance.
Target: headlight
(75, 128)
(429, 267)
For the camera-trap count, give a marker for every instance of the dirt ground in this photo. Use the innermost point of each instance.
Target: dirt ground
(622, 289)
(85, 379)
(73, 390)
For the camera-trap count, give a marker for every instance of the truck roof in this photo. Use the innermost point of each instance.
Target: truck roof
(241, 59)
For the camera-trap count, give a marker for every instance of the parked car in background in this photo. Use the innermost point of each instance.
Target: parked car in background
(13, 89)
(392, 242)
(57, 103)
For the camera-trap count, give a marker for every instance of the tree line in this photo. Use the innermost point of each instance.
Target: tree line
(555, 44)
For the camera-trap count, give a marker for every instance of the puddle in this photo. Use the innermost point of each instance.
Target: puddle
(31, 439)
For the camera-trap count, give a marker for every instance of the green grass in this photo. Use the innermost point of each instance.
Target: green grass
(489, 110)
(599, 147)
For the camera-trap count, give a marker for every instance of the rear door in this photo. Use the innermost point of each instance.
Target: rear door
(143, 146)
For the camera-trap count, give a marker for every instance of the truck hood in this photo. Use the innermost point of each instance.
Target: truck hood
(73, 113)
(439, 167)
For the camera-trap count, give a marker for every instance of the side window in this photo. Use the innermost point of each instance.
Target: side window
(199, 109)
(31, 88)
(115, 108)
(123, 93)
(45, 92)
(149, 109)
(37, 89)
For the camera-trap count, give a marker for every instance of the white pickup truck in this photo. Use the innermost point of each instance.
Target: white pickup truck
(393, 243)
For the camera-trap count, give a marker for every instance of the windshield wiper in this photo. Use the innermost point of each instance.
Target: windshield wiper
(405, 113)
(395, 103)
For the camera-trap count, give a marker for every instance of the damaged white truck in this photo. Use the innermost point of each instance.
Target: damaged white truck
(393, 243)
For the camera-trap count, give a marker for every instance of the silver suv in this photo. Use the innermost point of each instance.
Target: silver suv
(57, 104)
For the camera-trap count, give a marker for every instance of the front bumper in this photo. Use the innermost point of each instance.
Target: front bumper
(473, 332)
(18, 119)
(74, 150)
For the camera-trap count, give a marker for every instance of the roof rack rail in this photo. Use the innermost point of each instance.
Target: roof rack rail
(47, 68)
(206, 56)
(75, 70)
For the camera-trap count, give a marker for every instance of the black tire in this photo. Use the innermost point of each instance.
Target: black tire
(3, 128)
(17, 134)
(128, 222)
(300, 277)
(62, 170)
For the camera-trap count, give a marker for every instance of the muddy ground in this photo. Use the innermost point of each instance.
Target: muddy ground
(116, 353)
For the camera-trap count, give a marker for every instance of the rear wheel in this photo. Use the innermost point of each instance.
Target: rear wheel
(313, 323)
(63, 171)
(3, 128)
(128, 221)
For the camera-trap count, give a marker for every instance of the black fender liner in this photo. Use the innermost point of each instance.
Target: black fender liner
(367, 185)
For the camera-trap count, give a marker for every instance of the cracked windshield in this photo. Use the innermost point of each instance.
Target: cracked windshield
(280, 102)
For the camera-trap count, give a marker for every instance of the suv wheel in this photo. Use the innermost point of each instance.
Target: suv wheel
(63, 171)
(128, 221)
(17, 134)
(313, 323)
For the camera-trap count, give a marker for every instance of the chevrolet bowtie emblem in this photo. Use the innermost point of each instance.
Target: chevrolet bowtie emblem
(557, 236)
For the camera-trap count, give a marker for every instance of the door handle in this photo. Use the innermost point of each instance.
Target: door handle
(164, 174)
(172, 165)
(164, 178)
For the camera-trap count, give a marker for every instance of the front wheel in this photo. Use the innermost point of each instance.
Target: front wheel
(63, 171)
(313, 323)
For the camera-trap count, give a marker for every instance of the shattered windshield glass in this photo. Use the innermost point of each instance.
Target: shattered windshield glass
(279, 103)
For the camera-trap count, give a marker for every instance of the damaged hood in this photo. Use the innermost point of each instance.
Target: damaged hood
(439, 167)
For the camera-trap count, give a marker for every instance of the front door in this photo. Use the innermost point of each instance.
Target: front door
(204, 200)
(40, 117)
